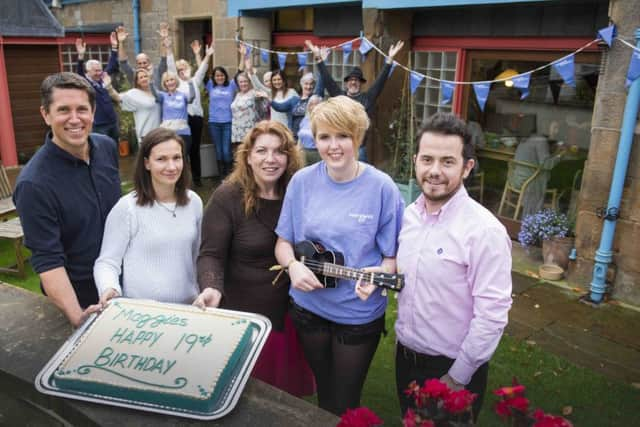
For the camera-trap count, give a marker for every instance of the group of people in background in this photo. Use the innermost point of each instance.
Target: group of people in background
(90, 245)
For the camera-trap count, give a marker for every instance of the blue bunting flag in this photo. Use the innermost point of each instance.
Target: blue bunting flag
(248, 52)
(347, 48)
(446, 91)
(282, 59)
(302, 60)
(566, 69)
(265, 56)
(607, 34)
(522, 84)
(482, 93)
(365, 46)
(416, 79)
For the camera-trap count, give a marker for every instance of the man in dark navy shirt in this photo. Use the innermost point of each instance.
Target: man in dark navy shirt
(64, 193)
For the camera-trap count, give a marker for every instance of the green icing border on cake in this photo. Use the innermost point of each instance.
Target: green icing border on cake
(157, 398)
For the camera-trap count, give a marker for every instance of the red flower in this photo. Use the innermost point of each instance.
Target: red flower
(359, 417)
(502, 409)
(548, 420)
(411, 419)
(413, 388)
(510, 391)
(459, 401)
(435, 388)
(519, 402)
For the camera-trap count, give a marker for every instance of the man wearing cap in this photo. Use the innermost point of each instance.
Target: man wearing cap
(354, 80)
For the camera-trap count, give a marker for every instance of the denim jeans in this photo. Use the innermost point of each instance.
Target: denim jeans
(221, 137)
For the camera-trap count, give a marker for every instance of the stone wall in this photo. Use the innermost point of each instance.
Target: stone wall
(33, 329)
(624, 273)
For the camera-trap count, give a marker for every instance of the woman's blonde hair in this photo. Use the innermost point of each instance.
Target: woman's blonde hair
(342, 114)
(242, 173)
(182, 63)
(166, 76)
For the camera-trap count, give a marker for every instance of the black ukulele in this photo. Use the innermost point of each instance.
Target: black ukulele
(329, 266)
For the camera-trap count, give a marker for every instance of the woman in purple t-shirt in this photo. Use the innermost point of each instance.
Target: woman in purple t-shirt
(174, 106)
(352, 208)
(221, 93)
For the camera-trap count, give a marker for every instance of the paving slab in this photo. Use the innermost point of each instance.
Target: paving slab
(590, 351)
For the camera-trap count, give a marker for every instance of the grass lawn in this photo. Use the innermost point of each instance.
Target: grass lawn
(553, 384)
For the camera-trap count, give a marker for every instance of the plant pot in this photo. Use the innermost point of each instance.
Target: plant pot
(410, 191)
(556, 251)
(123, 148)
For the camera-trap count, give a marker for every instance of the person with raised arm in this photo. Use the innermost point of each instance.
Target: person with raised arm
(354, 80)
(105, 121)
(196, 114)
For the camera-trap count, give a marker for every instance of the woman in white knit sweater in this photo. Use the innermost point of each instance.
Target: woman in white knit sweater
(152, 235)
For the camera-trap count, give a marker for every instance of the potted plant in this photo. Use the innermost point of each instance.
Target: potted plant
(553, 230)
(400, 144)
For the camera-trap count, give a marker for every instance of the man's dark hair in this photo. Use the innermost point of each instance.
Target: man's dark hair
(65, 80)
(142, 182)
(448, 124)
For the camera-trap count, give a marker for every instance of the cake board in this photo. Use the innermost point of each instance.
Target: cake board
(259, 326)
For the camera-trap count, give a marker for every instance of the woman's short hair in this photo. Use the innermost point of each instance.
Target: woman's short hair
(244, 75)
(342, 114)
(223, 71)
(138, 72)
(142, 183)
(182, 63)
(307, 77)
(242, 173)
(166, 76)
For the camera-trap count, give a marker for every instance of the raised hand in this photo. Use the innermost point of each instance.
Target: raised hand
(196, 47)
(113, 39)
(324, 53)
(209, 51)
(106, 80)
(121, 33)
(81, 47)
(394, 49)
(242, 48)
(313, 48)
(163, 32)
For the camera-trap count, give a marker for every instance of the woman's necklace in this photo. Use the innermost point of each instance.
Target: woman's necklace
(171, 211)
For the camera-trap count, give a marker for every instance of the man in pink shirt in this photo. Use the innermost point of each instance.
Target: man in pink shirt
(456, 257)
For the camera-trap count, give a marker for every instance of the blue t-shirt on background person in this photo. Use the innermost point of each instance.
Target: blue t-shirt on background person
(220, 99)
(360, 218)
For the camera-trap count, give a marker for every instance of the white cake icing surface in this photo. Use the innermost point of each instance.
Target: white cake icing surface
(155, 348)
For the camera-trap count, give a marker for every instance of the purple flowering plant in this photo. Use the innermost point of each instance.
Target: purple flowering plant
(543, 225)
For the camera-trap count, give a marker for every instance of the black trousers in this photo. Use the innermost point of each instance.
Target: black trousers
(195, 123)
(414, 366)
(339, 356)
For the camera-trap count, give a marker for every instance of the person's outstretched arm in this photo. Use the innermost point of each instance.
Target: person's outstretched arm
(378, 85)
